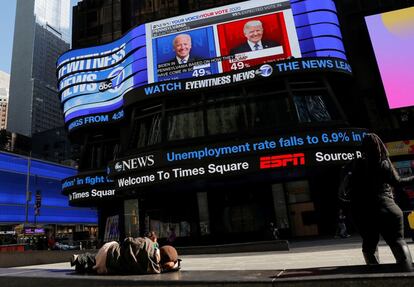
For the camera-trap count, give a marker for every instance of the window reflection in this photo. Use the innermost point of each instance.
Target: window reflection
(230, 111)
(226, 118)
(311, 109)
(182, 125)
(149, 130)
(267, 112)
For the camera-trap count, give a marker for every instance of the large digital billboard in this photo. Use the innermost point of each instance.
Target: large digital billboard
(93, 81)
(222, 39)
(272, 154)
(40, 177)
(392, 37)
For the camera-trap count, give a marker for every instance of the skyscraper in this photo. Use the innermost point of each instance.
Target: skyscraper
(42, 32)
(4, 98)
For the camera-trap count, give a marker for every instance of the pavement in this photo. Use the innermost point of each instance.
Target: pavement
(326, 262)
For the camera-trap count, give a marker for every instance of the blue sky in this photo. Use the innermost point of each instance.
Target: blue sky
(7, 15)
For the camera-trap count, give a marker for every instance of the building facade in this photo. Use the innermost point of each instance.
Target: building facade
(42, 32)
(53, 145)
(4, 98)
(214, 154)
(28, 181)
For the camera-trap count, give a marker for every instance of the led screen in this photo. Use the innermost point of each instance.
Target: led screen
(222, 39)
(392, 37)
(92, 82)
(44, 177)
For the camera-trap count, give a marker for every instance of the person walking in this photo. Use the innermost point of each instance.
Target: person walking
(341, 230)
(274, 231)
(374, 211)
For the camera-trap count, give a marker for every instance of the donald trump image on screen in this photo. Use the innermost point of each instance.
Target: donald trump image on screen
(253, 31)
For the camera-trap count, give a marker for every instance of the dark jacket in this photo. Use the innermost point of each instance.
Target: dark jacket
(133, 256)
(191, 59)
(372, 181)
(243, 48)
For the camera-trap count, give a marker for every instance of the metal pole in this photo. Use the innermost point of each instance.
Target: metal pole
(28, 197)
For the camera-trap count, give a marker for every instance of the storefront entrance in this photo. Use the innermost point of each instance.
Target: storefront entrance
(295, 212)
(241, 213)
(172, 214)
(218, 215)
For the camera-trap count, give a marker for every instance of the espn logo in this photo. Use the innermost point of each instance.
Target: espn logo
(283, 160)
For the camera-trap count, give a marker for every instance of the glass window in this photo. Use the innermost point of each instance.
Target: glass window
(107, 14)
(147, 126)
(149, 130)
(279, 203)
(96, 154)
(311, 108)
(185, 124)
(131, 218)
(298, 191)
(226, 118)
(234, 110)
(306, 83)
(92, 16)
(265, 112)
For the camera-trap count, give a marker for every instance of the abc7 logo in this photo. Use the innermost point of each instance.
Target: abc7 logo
(118, 166)
(265, 70)
(115, 83)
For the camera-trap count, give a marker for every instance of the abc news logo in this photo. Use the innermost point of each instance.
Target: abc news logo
(135, 163)
(284, 160)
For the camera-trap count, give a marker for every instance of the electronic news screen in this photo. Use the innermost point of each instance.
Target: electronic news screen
(221, 39)
(92, 81)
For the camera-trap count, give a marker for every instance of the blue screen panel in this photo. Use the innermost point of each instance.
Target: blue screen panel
(328, 53)
(316, 30)
(19, 164)
(300, 7)
(315, 17)
(89, 82)
(45, 178)
(94, 80)
(48, 215)
(139, 76)
(321, 43)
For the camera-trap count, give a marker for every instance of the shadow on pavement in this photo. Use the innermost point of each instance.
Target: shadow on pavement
(338, 271)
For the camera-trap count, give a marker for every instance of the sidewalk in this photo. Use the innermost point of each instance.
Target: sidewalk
(301, 266)
(302, 254)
